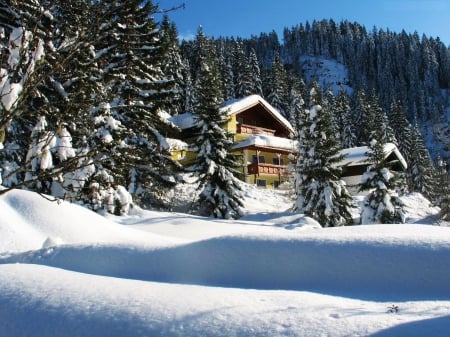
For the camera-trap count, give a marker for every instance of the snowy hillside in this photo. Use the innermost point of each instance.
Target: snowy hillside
(66, 271)
(328, 73)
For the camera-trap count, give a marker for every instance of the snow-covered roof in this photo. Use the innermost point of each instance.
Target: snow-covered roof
(186, 120)
(267, 142)
(177, 144)
(183, 121)
(358, 155)
(237, 105)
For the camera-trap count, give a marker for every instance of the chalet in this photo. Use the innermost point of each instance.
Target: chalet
(356, 163)
(261, 135)
(264, 138)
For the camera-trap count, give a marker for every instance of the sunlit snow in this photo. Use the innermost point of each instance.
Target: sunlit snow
(67, 271)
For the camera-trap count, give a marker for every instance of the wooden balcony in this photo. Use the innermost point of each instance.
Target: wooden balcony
(254, 130)
(261, 168)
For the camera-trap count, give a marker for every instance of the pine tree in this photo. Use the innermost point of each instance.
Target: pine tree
(21, 47)
(402, 129)
(404, 134)
(342, 115)
(296, 104)
(220, 191)
(171, 64)
(226, 69)
(422, 171)
(71, 89)
(255, 74)
(359, 115)
(56, 88)
(188, 92)
(137, 92)
(377, 120)
(242, 72)
(381, 205)
(369, 116)
(278, 92)
(320, 192)
(443, 190)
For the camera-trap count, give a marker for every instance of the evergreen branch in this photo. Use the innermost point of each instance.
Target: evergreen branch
(171, 9)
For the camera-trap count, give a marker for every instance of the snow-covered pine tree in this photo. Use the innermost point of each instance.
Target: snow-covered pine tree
(382, 204)
(22, 52)
(137, 91)
(404, 133)
(71, 88)
(172, 64)
(242, 72)
(443, 190)
(220, 190)
(402, 129)
(226, 70)
(188, 98)
(320, 191)
(360, 111)
(342, 116)
(378, 120)
(277, 93)
(368, 116)
(56, 88)
(255, 74)
(297, 113)
(39, 158)
(296, 103)
(21, 47)
(422, 172)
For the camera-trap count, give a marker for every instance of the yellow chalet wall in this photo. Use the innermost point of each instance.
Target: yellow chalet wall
(261, 135)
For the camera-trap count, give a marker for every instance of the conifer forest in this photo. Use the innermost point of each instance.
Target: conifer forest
(86, 88)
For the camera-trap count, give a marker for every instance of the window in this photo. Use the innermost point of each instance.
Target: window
(261, 183)
(276, 184)
(277, 161)
(262, 160)
(240, 120)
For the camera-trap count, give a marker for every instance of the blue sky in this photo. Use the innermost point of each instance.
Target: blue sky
(251, 17)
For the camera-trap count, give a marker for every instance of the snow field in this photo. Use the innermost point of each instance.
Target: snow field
(66, 271)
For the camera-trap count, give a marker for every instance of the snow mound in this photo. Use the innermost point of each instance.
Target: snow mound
(28, 221)
(49, 302)
(371, 262)
(65, 271)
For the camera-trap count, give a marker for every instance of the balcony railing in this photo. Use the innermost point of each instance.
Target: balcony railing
(262, 168)
(254, 130)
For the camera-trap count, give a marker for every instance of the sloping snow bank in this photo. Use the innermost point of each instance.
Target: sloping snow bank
(105, 280)
(38, 301)
(373, 262)
(28, 221)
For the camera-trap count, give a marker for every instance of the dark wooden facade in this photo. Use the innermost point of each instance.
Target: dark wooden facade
(258, 120)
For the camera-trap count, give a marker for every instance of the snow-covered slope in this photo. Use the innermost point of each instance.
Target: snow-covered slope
(28, 221)
(328, 73)
(171, 274)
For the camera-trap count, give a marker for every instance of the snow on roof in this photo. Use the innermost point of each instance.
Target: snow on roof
(177, 144)
(358, 155)
(237, 105)
(186, 120)
(267, 141)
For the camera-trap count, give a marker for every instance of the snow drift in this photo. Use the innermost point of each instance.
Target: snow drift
(65, 271)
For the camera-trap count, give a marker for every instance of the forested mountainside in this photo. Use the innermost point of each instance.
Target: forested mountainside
(87, 89)
(409, 69)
